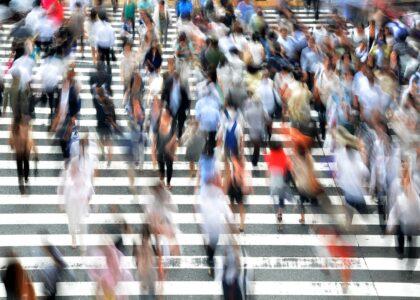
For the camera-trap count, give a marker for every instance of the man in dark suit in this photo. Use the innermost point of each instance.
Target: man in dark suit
(175, 96)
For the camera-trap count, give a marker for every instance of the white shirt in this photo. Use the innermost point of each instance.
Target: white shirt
(257, 51)
(265, 91)
(46, 29)
(23, 67)
(34, 18)
(50, 73)
(214, 209)
(350, 172)
(105, 35)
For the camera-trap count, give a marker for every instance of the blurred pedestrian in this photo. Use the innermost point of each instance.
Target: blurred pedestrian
(22, 143)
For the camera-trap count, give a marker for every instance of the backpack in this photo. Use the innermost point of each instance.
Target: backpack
(231, 142)
(184, 9)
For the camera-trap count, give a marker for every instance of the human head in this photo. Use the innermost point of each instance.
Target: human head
(93, 14)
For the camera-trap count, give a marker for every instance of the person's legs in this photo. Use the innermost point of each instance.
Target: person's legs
(181, 120)
(400, 241)
(133, 26)
(101, 54)
(19, 166)
(320, 108)
(64, 144)
(316, 8)
(212, 139)
(52, 103)
(26, 167)
(169, 169)
(302, 200)
(256, 153)
(242, 213)
(82, 46)
(211, 250)
(412, 250)
(108, 57)
(161, 165)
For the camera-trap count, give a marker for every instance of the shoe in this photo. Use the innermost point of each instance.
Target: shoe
(211, 272)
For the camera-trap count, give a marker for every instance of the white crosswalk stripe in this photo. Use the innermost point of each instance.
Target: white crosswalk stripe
(284, 264)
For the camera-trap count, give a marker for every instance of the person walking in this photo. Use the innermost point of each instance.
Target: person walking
(77, 189)
(17, 282)
(258, 121)
(237, 187)
(106, 121)
(164, 146)
(22, 143)
(92, 27)
(105, 38)
(129, 14)
(64, 123)
(76, 24)
(175, 95)
(162, 19)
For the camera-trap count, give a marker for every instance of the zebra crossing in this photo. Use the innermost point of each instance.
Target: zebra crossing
(284, 264)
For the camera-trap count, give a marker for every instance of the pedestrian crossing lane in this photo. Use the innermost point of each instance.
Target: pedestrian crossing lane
(284, 264)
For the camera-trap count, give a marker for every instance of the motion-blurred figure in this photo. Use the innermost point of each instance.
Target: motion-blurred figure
(77, 189)
(17, 282)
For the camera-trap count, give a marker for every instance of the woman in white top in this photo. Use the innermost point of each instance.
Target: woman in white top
(404, 218)
(77, 189)
(92, 25)
(325, 84)
(256, 50)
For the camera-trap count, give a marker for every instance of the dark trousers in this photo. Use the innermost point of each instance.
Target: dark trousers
(133, 26)
(211, 249)
(105, 55)
(22, 163)
(320, 108)
(401, 243)
(256, 153)
(358, 203)
(180, 118)
(211, 139)
(82, 45)
(169, 168)
(231, 291)
(316, 7)
(65, 148)
(50, 97)
(114, 5)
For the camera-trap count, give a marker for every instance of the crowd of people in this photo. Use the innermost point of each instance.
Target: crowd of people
(233, 83)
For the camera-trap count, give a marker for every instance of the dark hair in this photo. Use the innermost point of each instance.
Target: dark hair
(255, 37)
(182, 36)
(102, 15)
(212, 75)
(297, 74)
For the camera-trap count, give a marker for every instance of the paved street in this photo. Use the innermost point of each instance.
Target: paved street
(282, 264)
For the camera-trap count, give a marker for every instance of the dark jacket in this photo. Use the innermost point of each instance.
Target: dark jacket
(166, 95)
(153, 63)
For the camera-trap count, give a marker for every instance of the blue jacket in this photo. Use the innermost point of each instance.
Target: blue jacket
(184, 8)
